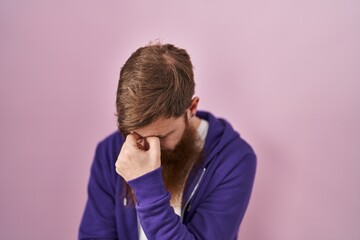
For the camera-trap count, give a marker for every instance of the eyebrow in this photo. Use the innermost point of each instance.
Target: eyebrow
(160, 136)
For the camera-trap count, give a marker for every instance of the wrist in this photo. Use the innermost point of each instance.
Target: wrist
(149, 188)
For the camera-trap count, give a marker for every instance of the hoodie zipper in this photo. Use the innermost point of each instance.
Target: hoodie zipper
(187, 206)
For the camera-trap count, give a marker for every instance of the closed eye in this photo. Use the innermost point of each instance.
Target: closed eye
(161, 136)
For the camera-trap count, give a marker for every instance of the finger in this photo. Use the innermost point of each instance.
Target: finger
(136, 135)
(142, 144)
(132, 139)
(140, 141)
(116, 168)
(154, 144)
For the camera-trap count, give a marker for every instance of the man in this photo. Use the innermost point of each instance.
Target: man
(171, 171)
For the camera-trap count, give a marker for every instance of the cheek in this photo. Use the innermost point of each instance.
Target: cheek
(170, 143)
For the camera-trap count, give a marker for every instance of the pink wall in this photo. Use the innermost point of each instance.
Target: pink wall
(286, 73)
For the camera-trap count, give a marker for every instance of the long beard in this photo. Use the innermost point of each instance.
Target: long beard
(178, 163)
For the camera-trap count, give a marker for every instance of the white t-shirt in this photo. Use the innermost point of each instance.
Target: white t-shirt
(202, 132)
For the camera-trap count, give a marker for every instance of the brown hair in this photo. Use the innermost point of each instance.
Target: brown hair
(156, 81)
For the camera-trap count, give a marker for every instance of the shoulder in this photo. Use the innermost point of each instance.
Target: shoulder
(235, 154)
(227, 153)
(109, 147)
(112, 140)
(223, 139)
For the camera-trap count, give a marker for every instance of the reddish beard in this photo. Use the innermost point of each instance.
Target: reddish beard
(178, 163)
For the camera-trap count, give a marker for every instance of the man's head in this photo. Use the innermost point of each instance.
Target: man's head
(156, 82)
(155, 99)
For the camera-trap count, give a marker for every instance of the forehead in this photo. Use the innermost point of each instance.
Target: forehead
(162, 127)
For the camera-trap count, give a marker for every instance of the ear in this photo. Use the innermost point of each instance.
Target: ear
(193, 107)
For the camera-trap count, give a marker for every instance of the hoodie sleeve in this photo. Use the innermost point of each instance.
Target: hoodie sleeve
(98, 221)
(219, 212)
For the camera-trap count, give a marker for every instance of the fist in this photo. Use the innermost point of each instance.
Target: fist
(138, 156)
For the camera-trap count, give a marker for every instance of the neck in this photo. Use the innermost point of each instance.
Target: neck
(195, 122)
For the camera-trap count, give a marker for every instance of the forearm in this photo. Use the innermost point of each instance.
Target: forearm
(156, 216)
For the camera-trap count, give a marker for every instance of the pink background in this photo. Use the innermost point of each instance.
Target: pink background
(285, 73)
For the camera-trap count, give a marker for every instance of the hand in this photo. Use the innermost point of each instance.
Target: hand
(138, 156)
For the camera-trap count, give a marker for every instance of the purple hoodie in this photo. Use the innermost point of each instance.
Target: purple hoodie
(215, 198)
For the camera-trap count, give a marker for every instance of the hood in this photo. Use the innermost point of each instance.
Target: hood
(220, 134)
